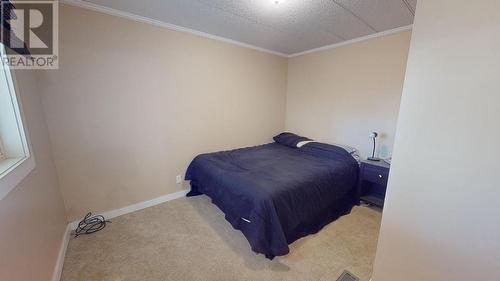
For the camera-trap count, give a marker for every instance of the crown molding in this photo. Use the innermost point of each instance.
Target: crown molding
(130, 16)
(134, 17)
(355, 40)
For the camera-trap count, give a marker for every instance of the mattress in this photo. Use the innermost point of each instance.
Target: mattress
(276, 194)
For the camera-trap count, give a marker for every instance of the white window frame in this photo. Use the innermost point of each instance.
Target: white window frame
(14, 169)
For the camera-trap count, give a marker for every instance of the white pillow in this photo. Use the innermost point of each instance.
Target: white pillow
(302, 143)
(351, 150)
(347, 148)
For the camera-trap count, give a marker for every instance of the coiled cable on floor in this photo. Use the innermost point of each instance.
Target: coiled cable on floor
(90, 224)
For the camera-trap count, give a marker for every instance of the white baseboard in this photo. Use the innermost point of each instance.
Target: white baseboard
(138, 206)
(56, 276)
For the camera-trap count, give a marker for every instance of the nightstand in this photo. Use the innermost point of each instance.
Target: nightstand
(373, 182)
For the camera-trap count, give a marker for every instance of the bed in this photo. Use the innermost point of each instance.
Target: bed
(277, 193)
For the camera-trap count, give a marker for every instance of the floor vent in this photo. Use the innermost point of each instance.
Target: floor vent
(347, 276)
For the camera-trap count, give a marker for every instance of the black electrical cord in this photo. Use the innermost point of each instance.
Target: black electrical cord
(374, 144)
(90, 224)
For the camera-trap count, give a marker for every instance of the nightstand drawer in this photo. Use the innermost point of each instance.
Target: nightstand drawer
(376, 175)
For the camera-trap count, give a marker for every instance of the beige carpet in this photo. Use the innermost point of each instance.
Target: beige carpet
(189, 239)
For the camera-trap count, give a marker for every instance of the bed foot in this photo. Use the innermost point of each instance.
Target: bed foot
(193, 193)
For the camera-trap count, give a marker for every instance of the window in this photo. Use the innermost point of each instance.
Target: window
(15, 159)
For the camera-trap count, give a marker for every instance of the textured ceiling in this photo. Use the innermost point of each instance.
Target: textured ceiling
(289, 27)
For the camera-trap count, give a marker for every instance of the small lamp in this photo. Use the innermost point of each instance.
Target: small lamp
(374, 136)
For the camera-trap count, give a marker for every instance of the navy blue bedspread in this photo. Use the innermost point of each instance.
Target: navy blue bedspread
(276, 194)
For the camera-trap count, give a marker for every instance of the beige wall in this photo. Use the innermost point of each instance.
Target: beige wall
(343, 94)
(132, 104)
(32, 217)
(441, 217)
